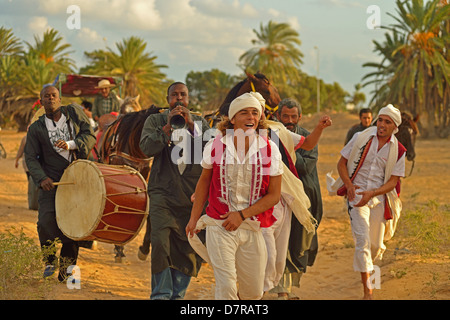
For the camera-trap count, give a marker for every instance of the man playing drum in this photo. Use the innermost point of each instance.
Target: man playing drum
(53, 141)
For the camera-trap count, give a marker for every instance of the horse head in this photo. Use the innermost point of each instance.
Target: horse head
(130, 104)
(257, 82)
(407, 133)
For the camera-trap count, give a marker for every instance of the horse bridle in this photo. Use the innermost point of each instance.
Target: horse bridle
(411, 171)
(271, 110)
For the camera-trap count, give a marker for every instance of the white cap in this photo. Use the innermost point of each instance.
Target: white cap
(393, 113)
(247, 100)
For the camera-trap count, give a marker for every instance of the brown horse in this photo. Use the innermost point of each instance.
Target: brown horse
(254, 82)
(120, 145)
(407, 133)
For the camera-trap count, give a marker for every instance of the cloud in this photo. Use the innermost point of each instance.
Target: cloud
(88, 35)
(138, 14)
(38, 24)
(222, 9)
(186, 33)
(338, 3)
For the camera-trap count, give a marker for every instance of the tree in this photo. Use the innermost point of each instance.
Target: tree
(276, 55)
(208, 89)
(50, 49)
(24, 72)
(141, 75)
(9, 44)
(357, 98)
(415, 71)
(10, 48)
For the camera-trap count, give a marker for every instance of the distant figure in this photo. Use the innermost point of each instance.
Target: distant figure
(87, 108)
(32, 187)
(365, 116)
(106, 102)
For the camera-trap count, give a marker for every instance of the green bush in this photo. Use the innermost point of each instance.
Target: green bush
(21, 267)
(425, 229)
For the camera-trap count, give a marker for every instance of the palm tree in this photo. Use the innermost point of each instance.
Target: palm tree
(138, 69)
(415, 71)
(9, 44)
(10, 48)
(24, 72)
(208, 89)
(36, 72)
(385, 69)
(276, 54)
(50, 49)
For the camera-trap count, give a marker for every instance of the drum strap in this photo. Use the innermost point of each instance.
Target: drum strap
(71, 152)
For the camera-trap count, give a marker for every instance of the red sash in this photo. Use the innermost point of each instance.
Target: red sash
(342, 191)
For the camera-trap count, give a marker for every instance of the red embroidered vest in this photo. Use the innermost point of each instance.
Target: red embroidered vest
(218, 191)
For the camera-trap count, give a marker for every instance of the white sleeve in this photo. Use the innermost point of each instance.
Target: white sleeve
(399, 167)
(297, 139)
(206, 160)
(276, 163)
(72, 145)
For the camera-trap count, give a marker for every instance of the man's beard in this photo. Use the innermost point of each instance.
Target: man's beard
(290, 126)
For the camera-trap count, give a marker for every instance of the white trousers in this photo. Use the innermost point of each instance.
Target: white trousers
(237, 257)
(368, 227)
(277, 241)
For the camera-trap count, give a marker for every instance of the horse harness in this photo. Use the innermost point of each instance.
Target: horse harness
(135, 162)
(271, 110)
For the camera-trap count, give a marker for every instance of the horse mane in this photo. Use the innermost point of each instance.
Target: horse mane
(232, 94)
(223, 109)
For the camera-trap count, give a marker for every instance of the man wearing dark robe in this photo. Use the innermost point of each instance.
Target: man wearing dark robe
(174, 175)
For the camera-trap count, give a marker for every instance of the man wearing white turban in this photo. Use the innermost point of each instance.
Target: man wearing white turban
(370, 168)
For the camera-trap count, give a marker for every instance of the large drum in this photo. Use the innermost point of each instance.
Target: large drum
(101, 202)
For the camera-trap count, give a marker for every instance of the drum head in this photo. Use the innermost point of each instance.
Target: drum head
(80, 203)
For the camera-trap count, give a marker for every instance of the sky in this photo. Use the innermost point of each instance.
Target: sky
(199, 35)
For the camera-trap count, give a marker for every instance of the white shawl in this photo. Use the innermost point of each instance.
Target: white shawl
(292, 189)
(394, 202)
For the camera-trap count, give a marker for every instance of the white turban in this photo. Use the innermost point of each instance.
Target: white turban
(393, 113)
(247, 100)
